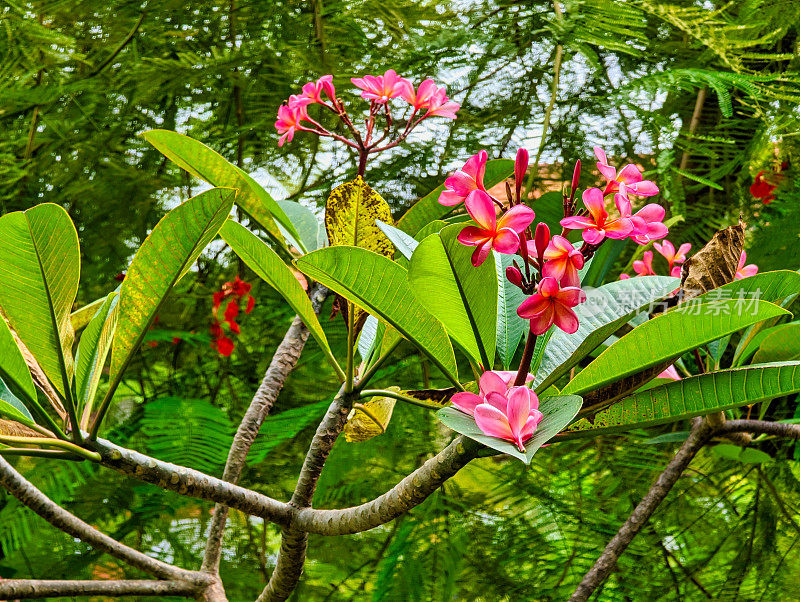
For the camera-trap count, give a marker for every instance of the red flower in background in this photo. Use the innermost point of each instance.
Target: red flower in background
(233, 291)
(765, 183)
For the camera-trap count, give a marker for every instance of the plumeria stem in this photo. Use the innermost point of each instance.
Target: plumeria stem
(400, 397)
(56, 443)
(351, 343)
(525, 363)
(370, 373)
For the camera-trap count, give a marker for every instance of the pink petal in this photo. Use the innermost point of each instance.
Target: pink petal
(619, 228)
(671, 373)
(493, 422)
(475, 167)
(548, 287)
(652, 213)
(594, 236)
(481, 253)
(509, 376)
(623, 204)
(450, 198)
(629, 174)
(491, 382)
(644, 188)
(529, 429)
(565, 318)
(555, 268)
(593, 199)
(506, 241)
(518, 410)
(601, 155)
(609, 173)
(461, 182)
(517, 218)
(540, 323)
(481, 209)
(680, 256)
(520, 165)
(577, 222)
(533, 306)
(571, 296)
(466, 402)
(472, 236)
(534, 399)
(497, 400)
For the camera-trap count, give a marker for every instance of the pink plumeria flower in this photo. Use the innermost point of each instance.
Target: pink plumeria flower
(562, 261)
(744, 271)
(671, 373)
(470, 177)
(675, 271)
(496, 382)
(312, 92)
(648, 224)
(516, 422)
(644, 266)
(552, 305)
(289, 122)
(668, 252)
(502, 234)
(380, 88)
(628, 181)
(596, 226)
(441, 106)
(421, 99)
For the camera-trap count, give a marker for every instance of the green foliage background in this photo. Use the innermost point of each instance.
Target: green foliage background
(80, 80)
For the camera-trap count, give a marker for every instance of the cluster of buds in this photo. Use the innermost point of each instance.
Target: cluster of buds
(235, 292)
(550, 264)
(427, 100)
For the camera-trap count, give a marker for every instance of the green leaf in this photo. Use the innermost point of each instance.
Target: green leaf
(306, 223)
(558, 413)
(605, 310)
(695, 396)
(13, 368)
(668, 336)
(270, 268)
(461, 296)
(351, 215)
(404, 243)
(603, 261)
(549, 209)
(81, 317)
(93, 349)
(206, 164)
(773, 287)
(781, 345)
(164, 257)
(39, 273)
(380, 286)
(428, 208)
(13, 408)
(510, 326)
(746, 455)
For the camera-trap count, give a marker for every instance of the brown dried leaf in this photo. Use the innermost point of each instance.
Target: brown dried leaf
(713, 265)
(370, 419)
(15, 429)
(438, 397)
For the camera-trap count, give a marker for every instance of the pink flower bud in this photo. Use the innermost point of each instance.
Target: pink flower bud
(541, 239)
(575, 177)
(514, 276)
(520, 169)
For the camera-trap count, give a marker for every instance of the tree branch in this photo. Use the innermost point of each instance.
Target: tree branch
(283, 362)
(63, 520)
(28, 589)
(779, 429)
(701, 432)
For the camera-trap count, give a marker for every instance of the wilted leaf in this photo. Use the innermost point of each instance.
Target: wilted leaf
(350, 215)
(432, 396)
(370, 419)
(715, 264)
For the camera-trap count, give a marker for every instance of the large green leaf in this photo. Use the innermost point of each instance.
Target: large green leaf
(558, 413)
(669, 336)
(510, 326)
(13, 369)
(81, 317)
(605, 310)
(306, 223)
(164, 257)
(39, 273)
(428, 207)
(461, 296)
(268, 265)
(782, 345)
(380, 286)
(206, 164)
(695, 396)
(93, 349)
(13, 408)
(766, 286)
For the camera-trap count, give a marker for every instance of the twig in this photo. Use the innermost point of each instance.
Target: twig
(119, 48)
(28, 589)
(283, 362)
(699, 435)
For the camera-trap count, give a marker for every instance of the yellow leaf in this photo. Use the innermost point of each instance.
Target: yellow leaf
(350, 215)
(370, 419)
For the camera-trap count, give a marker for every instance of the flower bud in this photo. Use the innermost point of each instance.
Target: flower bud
(514, 275)
(541, 239)
(520, 169)
(575, 177)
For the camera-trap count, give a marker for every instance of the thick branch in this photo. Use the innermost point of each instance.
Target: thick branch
(190, 482)
(408, 493)
(779, 429)
(13, 589)
(283, 362)
(34, 499)
(700, 434)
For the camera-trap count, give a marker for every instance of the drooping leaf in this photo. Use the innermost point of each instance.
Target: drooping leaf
(380, 286)
(461, 296)
(715, 264)
(13, 368)
(350, 218)
(695, 396)
(370, 419)
(39, 273)
(93, 349)
(510, 327)
(11, 407)
(558, 413)
(268, 265)
(402, 241)
(428, 207)
(308, 226)
(604, 311)
(208, 165)
(665, 337)
(164, 257)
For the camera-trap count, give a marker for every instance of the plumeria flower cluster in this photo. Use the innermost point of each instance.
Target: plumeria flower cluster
(423, 102)
(550, 264)
(675, 260)
(235, 292)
